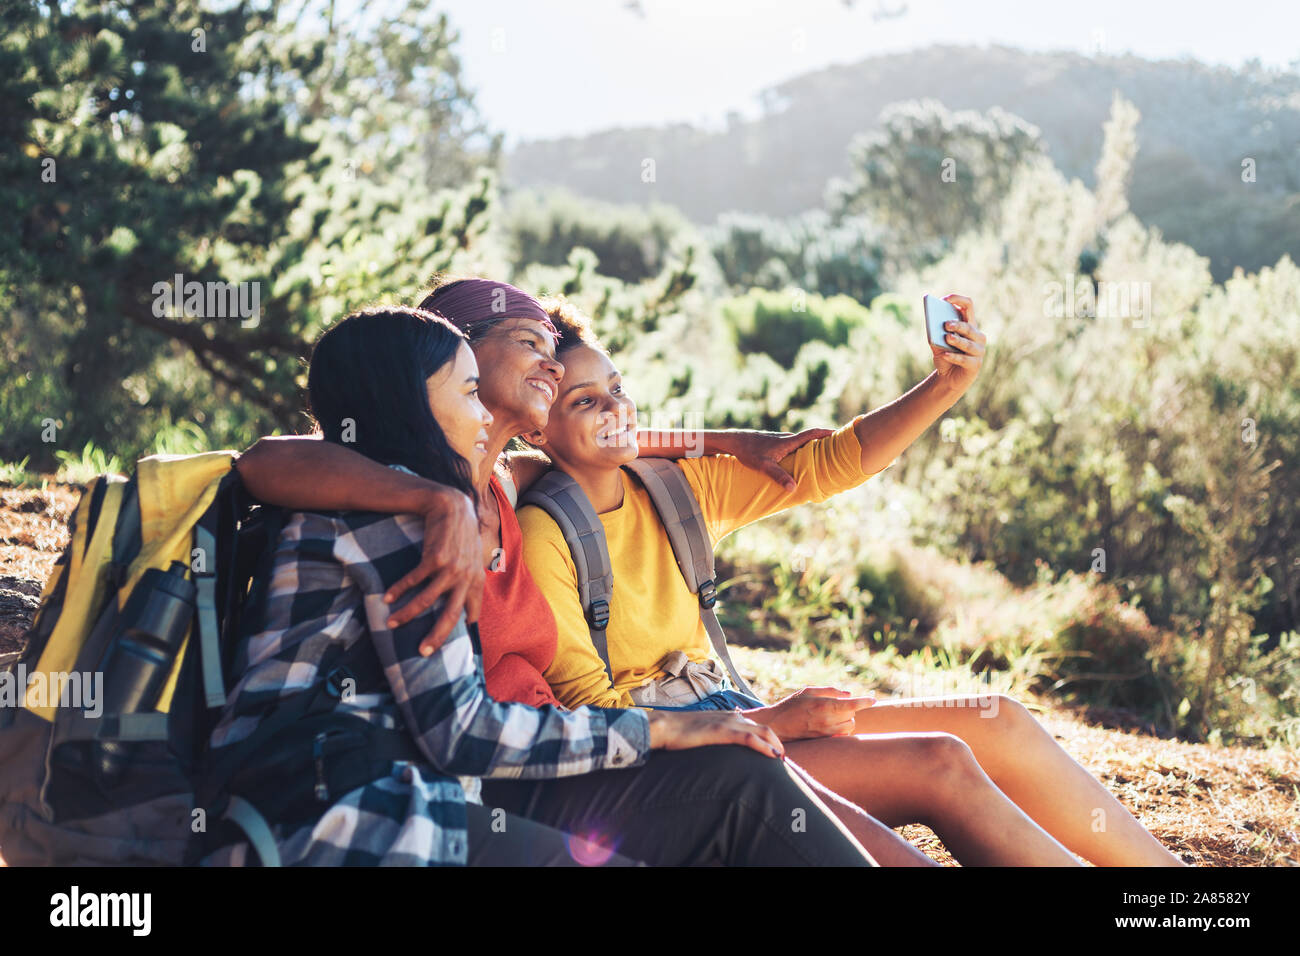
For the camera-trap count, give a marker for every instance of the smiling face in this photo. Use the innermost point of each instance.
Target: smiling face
(593, 422)
(520, 375)
(454, 399)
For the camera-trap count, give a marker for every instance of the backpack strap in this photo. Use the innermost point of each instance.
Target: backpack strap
(564, 500)
(680, 513)
(258, 832)
(230, 540)
(205, 582)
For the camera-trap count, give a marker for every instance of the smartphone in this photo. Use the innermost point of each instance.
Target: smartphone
(937, 312)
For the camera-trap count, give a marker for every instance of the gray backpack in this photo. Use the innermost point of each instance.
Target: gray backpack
(674, 500)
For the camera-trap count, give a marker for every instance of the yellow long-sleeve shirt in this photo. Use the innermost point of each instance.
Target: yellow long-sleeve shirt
(652, 613)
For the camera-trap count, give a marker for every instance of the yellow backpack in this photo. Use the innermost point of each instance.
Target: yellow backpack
(105, 714)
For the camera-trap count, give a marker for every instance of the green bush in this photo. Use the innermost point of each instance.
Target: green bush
(779, 324)
(630, 243)
(810, 252)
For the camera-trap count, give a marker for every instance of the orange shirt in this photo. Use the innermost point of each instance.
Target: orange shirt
(515, 626)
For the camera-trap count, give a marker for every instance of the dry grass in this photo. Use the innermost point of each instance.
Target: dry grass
(34, 528)
(1212, 806)
(33, 532)
(1226, 806)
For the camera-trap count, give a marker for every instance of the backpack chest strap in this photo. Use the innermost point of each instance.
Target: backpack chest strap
(680, 513)
(564, 500)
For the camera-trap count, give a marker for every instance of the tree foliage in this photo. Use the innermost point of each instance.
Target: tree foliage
(929, 173)
(1189, 178)
(155, 139)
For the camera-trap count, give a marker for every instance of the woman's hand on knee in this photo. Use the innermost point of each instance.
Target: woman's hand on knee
(681, 730)
(812, 712)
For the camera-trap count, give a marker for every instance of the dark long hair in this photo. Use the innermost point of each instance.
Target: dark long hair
(367, 389)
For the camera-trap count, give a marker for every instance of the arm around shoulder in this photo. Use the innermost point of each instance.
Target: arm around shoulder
(341, 479)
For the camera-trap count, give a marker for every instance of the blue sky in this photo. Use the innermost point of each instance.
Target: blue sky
(547, 68)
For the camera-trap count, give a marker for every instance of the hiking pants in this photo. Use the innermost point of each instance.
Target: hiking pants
(723, 805)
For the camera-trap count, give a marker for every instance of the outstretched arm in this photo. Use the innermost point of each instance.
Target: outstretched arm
(732, 495)
(759, 450)
(885, 432)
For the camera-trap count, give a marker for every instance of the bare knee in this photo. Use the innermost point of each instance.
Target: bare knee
(948, 777)
(948, 767)
(1008, 714)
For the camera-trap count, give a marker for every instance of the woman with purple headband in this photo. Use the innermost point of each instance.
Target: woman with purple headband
(658, 812)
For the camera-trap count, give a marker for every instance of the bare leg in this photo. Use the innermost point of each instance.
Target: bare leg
(1031, 768)
(931, 778)
(885, 846)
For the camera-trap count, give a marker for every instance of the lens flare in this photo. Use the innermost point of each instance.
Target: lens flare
(591, 849)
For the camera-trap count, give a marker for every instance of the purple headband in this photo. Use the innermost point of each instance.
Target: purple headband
(467, 302)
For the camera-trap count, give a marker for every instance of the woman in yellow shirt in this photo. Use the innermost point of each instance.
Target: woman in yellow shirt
(980, 770)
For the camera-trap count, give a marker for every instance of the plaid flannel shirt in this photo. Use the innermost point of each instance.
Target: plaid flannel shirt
(329, 577)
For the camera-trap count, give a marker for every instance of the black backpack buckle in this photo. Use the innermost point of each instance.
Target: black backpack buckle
(708, 594)
(598, 614)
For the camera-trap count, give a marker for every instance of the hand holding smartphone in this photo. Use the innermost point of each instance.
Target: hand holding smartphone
(937, 312)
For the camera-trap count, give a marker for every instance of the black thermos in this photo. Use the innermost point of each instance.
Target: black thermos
(140, 656)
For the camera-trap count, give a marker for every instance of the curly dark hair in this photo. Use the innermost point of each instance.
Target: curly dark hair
(573, 326)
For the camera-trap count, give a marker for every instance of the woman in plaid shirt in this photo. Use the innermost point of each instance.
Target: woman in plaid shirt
(402, 386)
